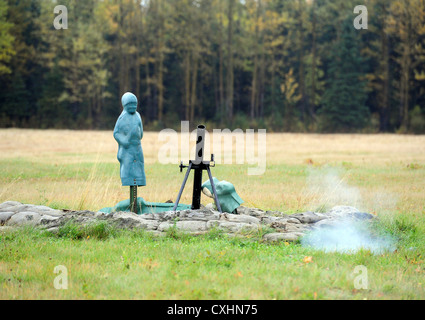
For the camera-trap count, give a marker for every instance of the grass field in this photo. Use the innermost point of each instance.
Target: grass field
(381, 174)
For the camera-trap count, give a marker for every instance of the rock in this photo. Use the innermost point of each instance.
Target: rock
(48, 219)
(202, 214)
(300, 228)
(52, 213)
(327, 223)
(164, 226)
(293, 221)
(286, 227)
(342, 211)
(273, 237)
(278, 222)
(268, 220)
(148, 216)
(289, 227)
(166, 216)
(308, 217)
(279, 225)
(100, 215)
(16, 208)
(128, 220)
(250, 211)
(240, 218)
(274, 213)
(125, 216)
(187, 226)
(149, 225)
(8, 204)
(13, 206)
(24, 218)
(46, 210)
(234, 227)
(82, 217)
(363, 216)
(345, 213)
(5, 216)
(191, 226)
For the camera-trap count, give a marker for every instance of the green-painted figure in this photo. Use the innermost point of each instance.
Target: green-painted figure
(144, 207)
(128, 133)
(227, 197)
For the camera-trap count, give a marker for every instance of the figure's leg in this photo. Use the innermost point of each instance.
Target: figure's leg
(133, 199)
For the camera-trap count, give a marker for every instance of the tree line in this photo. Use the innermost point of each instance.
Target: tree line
(283, 65)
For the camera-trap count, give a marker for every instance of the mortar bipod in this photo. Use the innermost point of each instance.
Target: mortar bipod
(199, 165)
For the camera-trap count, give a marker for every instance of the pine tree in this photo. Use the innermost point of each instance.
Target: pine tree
(83, 65)
(344, 108)
(6, 39)
(378, 52)
(21, 79)
(16, 101)
(407, 24)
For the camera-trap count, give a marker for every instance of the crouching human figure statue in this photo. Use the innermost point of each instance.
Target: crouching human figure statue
(128, 132)
(227, 197)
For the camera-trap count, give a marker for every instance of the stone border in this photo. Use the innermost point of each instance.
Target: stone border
(272, 225)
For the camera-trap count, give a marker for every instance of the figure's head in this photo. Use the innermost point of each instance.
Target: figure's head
(129, 102)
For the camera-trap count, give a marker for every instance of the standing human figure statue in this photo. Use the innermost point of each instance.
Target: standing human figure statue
(128, 132)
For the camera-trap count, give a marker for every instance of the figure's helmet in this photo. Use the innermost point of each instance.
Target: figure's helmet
(128, 98)
(227, 197)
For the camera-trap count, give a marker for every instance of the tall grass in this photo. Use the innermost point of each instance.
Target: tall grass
(380, 174)
(79, 170)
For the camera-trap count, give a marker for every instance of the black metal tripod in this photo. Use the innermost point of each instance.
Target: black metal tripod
(199, 165)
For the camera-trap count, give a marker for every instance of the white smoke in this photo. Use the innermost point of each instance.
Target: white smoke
(327, 189)
(348, 236)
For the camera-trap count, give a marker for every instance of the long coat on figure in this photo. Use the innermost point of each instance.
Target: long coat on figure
(128, 132)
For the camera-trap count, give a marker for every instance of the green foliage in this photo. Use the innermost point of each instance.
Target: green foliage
(174, 233)
(285, 65)
(52, 112)
(17, 99)
(344, 108)
(6, 39)
(417, 120)
(99, 230)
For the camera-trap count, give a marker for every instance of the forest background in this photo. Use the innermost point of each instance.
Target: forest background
(283, 65)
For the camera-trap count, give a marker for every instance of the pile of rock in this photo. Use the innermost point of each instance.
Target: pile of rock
(272, 225)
